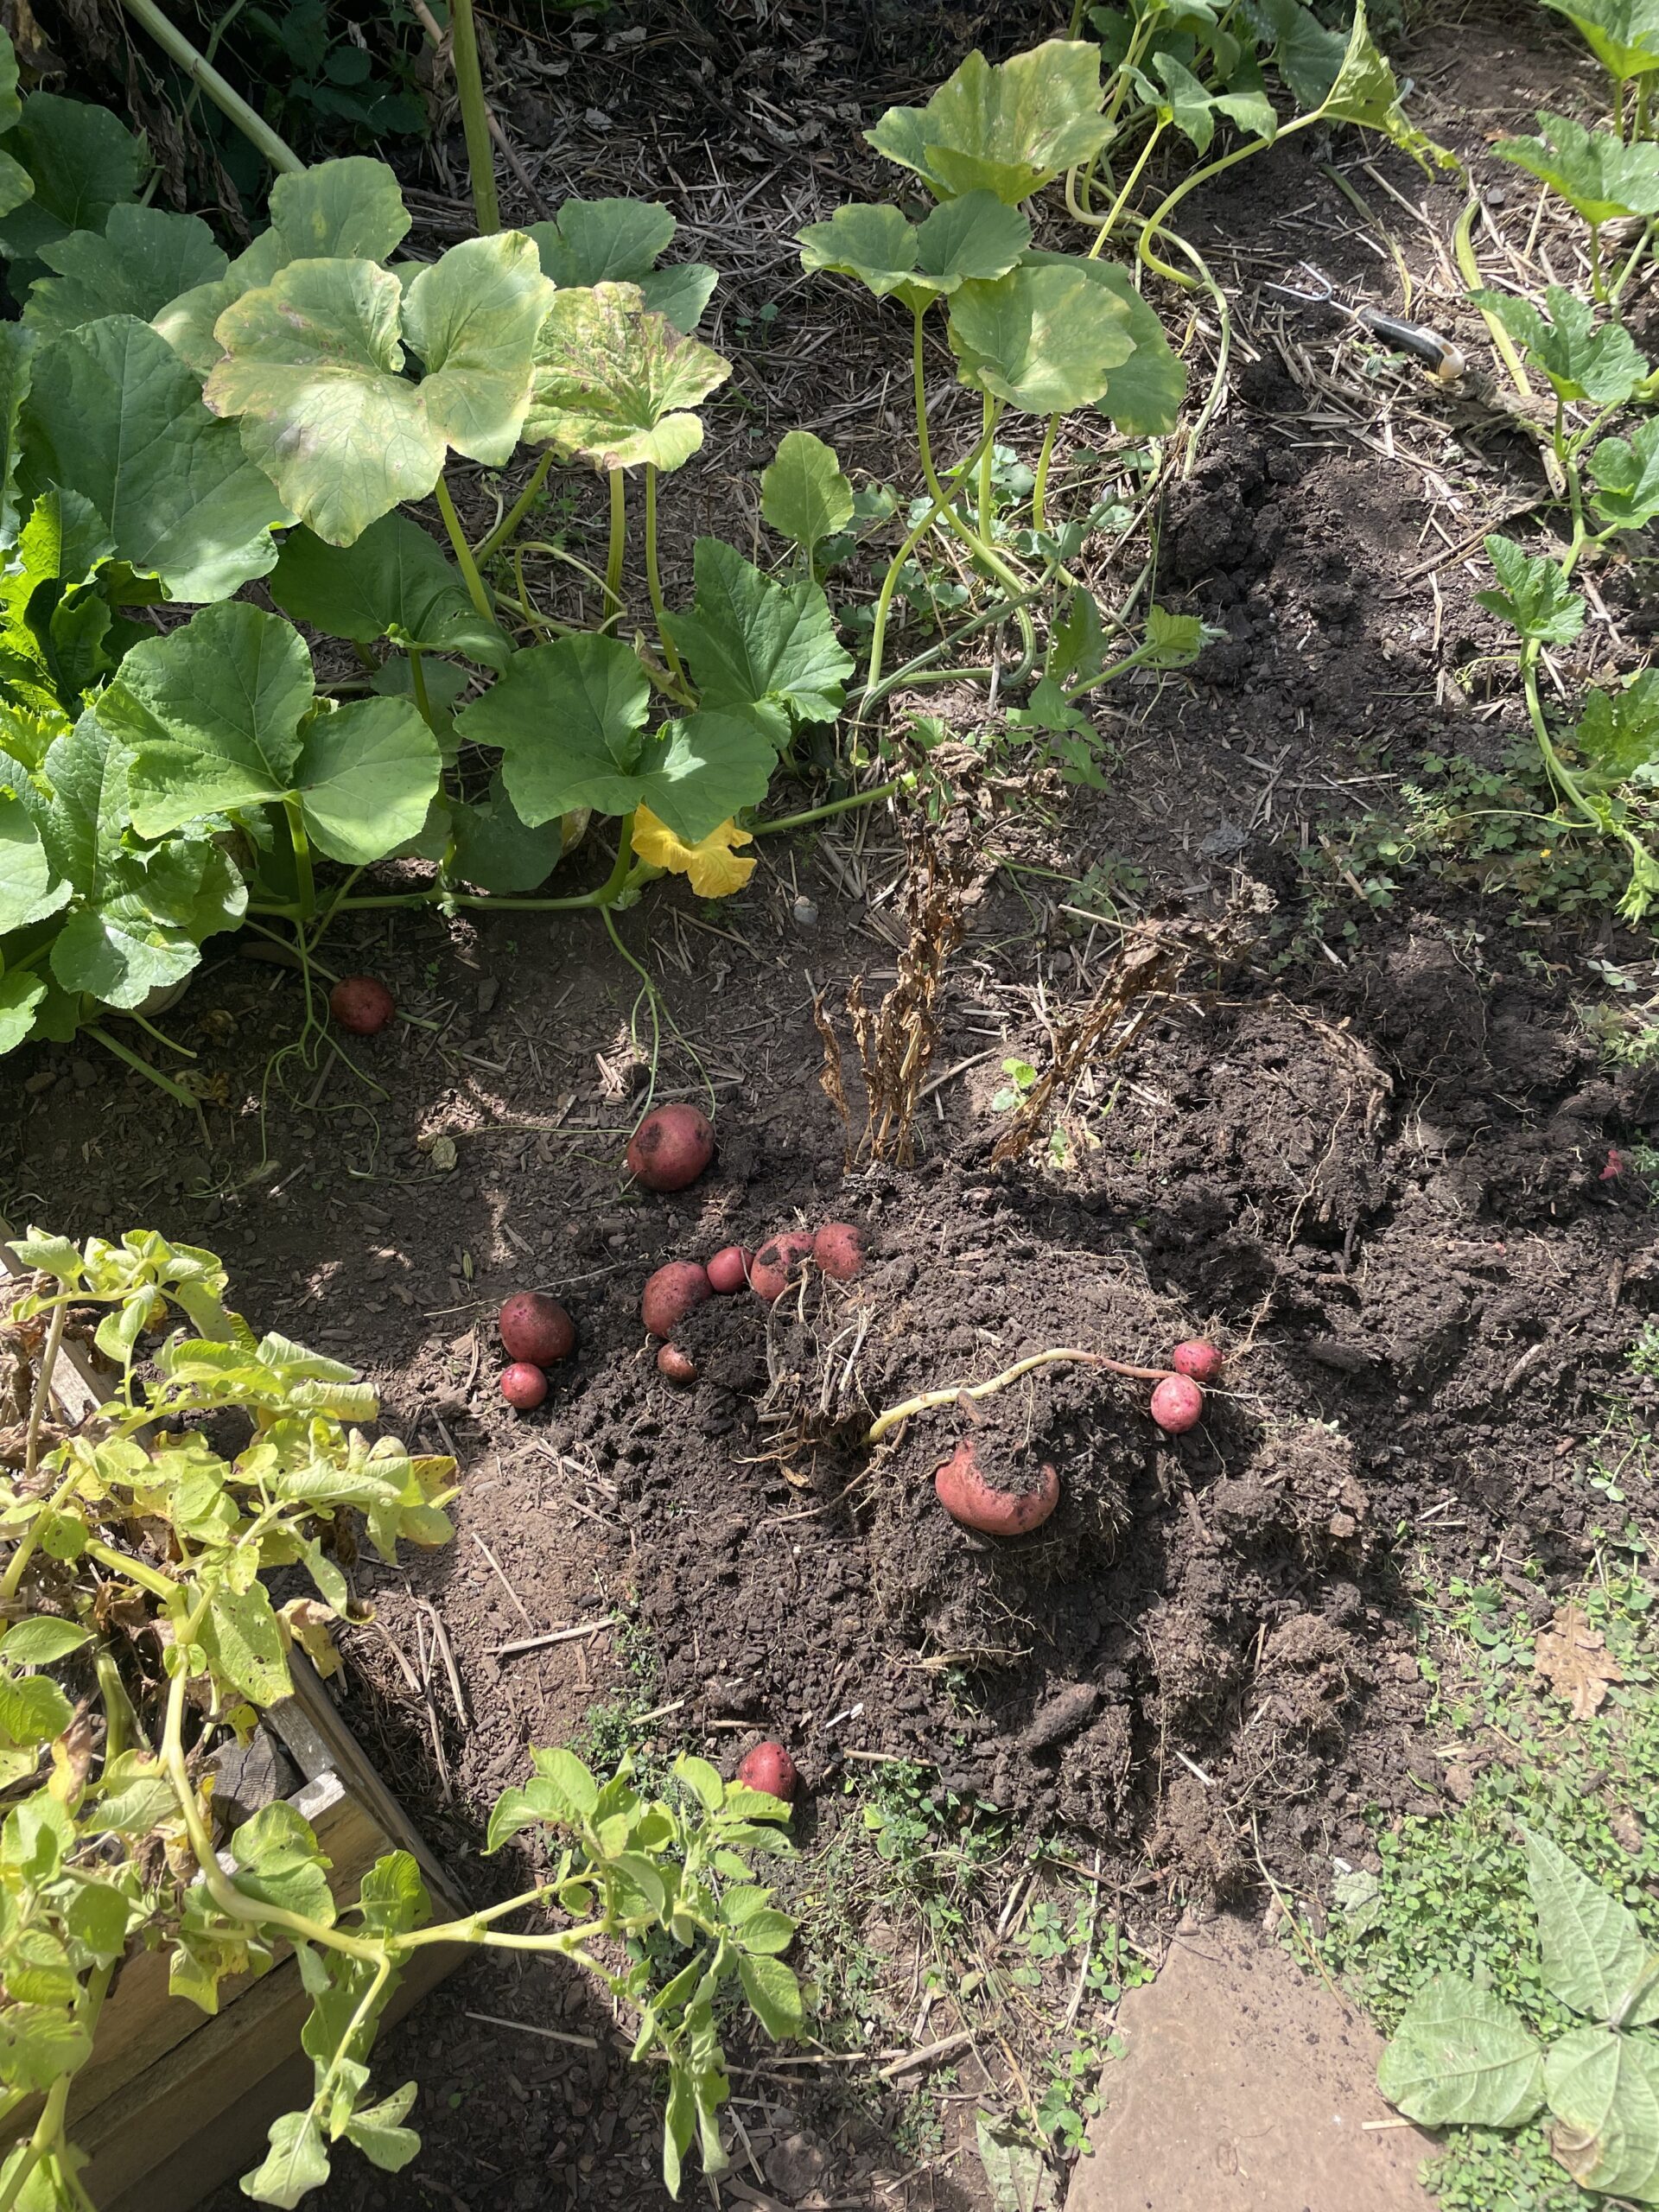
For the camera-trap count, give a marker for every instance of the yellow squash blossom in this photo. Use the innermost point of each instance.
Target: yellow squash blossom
(715, 869)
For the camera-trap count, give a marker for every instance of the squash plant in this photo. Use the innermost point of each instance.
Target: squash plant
(139, 1635)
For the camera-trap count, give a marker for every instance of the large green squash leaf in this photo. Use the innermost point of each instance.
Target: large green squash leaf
(83, 161)
(1007, 127)
(21, 993)
(1604, 2092)
(473, 319)
(755, 642)
(1582, 360)
(143, 258)
(1626, 471)
(1143, 395)
(1617, 735)
(497, 851)
(17, 365)
(139, 914)
(30, 889)
(620, 242)
(313, 367)
(568, 719)
(1044, 338)
(222, 714)
(112, 413)
(614, 383)
(1461, 2054)
(394, 582)
(1593, 170)
(974, 236)
(1622, 35)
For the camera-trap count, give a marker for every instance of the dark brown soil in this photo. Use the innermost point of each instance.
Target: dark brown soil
(1376, 1169)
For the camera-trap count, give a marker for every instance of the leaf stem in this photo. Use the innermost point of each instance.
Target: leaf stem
(834, 806)
(521, 506)
(987, 411)
(618, 547)
(302, 844)
(474, 114)
(223, 96)
(463, 552)
(653, 581)
(1039, 488)
(175, 1091)
(1130, 182)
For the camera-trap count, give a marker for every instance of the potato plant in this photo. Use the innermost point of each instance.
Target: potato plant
(139, 1633)
(180, 424)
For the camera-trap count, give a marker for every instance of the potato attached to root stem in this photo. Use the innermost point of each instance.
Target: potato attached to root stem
(840, 1248)
(778, 1264)
(675, 1365)
(536, 1328)
(728, 1270)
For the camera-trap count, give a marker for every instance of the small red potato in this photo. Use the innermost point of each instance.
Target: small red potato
(778, 1263)
(677, 1365)
(839, 1249)
(524, 1386)
(536, 1328)
(361, 1004)
(1176, 1404)
(770, 1768)
(671, 1294)
(968, 1498)
(1198, 1359)
(670, 1147)
(729, 1269)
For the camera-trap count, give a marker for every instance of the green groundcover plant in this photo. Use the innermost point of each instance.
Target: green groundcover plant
(177, 425)
(1462, 2057)
(139, 1634)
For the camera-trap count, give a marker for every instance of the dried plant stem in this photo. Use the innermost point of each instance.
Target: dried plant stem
(1061, 1355)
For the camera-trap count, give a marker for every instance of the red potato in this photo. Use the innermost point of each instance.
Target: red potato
(1176, 1404)
(524, 1386)
(1198, 1359)
(770, 1768)
(536, 1328)
(670, 1147)
(671, 1294)
(677, 1365)
(361, 1004)
(839, 1248)
(778, 1263)
(968, 1498)
(729, 1269)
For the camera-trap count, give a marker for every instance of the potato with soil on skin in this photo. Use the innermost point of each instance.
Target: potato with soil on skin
(728, 1270)
(840, 1249)
(671, 1293)
(524, 1386)
(1177, 1405)
(778, 1264)
(361, 1005)
(670, 1147)
(970, 1499)
(676, 1366)
(536, 1328)
(769, 1768)
(1198, 1359)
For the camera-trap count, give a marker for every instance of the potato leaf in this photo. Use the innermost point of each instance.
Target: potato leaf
(144, 257)
(112, 413)
(1626, 471)
(1044, 338)
(1006, 128)
(1594, 1957)
(1592, 170)
(1603, 2091)
(755, 642)
(1461, 2054)
(803, 494)
(774, 1995)
(614, 383)
(620, 242)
